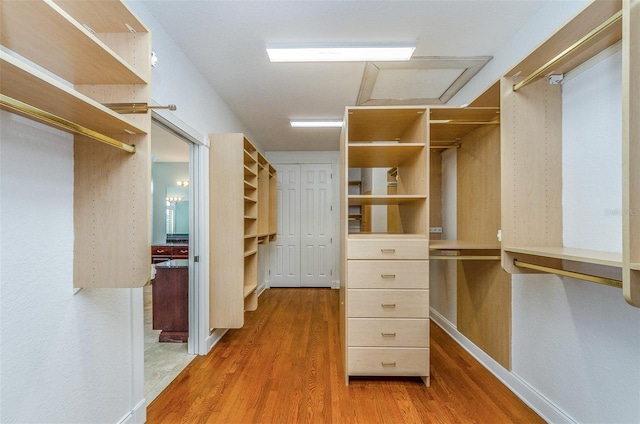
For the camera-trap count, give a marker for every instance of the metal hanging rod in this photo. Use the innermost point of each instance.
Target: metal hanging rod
(135, 107)
(579, 275)
(445, 146)
(64, 124)
(454, 122)
(541, 70)
(466, 257)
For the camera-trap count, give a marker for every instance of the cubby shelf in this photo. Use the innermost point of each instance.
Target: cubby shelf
(382, 154)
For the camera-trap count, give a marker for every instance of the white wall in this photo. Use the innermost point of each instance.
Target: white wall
(578, 343)
(65, 357)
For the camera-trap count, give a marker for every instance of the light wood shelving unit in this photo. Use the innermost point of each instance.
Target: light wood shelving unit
(532, 148)
(483, 289)
(82, 70)
(240, 204)
(631, 151)
(385, 276)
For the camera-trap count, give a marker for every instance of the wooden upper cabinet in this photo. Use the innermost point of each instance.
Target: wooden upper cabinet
(81, 55)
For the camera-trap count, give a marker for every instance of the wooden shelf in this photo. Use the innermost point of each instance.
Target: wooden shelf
(46, 93)
(397, 199)
(571, 254)
(461, 245)
(634, 266)
(249, 289)
(381, 155)
(47, 35)
(248, 172)
(250, 252)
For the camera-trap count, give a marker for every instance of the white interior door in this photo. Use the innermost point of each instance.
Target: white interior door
(285, 251)
(302, 255)
(316, 255)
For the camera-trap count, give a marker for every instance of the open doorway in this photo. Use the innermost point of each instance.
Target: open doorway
(166, 298)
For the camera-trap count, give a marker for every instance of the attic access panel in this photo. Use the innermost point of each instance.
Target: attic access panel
(422, 80)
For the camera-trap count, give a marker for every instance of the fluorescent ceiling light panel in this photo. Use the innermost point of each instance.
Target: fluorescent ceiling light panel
(316, 124)
(341, 54)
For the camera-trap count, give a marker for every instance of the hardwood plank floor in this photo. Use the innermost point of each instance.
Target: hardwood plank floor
(285, 366)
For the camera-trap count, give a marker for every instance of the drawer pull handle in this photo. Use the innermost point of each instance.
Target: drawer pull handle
(388, 364)
(160, 251)
(388, 334)
(388, 305)
(388, 250)
(388, 275)
(184, 251)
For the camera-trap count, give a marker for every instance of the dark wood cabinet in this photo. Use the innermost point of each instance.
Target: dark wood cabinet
(166, 252)
(171, 300)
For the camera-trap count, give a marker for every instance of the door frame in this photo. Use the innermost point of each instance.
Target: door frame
(311, 157)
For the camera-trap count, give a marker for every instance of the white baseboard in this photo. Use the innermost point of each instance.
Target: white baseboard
(536, 401)
(214, 338)
(138, 415)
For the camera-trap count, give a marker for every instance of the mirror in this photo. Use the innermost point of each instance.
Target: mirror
(177, 216)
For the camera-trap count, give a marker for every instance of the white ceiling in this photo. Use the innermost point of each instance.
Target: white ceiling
(226, 41)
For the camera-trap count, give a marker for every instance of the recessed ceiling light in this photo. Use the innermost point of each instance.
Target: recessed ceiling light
(334, 123)
(341, 54)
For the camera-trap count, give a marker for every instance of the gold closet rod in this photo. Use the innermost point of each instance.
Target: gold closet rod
(61, 123)
(579, 275)
(600, 28)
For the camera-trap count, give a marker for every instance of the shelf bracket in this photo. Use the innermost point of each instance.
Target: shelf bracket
(61, 123)
(580, 276)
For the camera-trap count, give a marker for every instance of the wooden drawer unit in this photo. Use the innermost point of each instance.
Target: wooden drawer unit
(388, 303)
(388, 249)
(388, 361)
(367, 332)
(388, 274)
(180, 252)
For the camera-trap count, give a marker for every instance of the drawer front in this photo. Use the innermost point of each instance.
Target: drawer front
(388, 274)
(388, 332)
(388, 249)
(388, 303)
(161, 251)
(180, 252)
(388, 361)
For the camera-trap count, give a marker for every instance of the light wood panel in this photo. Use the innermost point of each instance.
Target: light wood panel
(531, 156)
(390, 199)
(631, 150)
(112, 202)
(282, 367)
(571, 254)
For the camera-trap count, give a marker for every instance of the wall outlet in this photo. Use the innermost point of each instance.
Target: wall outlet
(435, 230)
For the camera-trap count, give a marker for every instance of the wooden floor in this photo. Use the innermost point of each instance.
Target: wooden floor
(285, 366)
